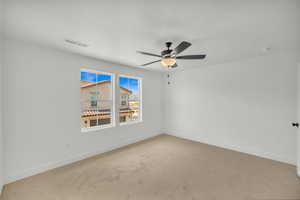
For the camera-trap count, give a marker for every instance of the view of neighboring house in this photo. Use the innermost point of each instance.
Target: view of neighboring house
(135, 107)
(126, 113)
(96, 102)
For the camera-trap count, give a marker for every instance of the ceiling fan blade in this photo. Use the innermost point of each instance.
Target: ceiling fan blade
(150, 62)
(149, 54)
(191, 57)
(174, 66)
(181, 47)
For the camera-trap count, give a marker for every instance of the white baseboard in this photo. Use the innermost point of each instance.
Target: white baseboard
(266, 155)
(45, 167)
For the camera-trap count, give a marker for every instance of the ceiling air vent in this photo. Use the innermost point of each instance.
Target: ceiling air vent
(76, 43)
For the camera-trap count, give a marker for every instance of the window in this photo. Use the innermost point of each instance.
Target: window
(97, 105)
(130, 99)
(97, 99)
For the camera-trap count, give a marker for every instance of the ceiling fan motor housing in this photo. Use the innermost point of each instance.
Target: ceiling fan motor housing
(166, 53)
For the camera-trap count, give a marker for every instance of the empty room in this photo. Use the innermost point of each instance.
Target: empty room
(149, 100)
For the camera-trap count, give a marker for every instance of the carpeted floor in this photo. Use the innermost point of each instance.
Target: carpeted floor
(163, 168)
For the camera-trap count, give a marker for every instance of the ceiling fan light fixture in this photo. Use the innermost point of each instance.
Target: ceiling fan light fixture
(168, 62)
(169, 56)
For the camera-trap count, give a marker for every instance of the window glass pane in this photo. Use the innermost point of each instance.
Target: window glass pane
(96, 99)
(104, 99)
(104, 84)
(105, 112)
(129, 99)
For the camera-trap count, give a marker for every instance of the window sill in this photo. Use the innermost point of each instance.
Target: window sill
(96, 128)
(130, 123)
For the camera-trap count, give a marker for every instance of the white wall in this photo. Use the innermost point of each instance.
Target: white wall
(42, 109)
(246, 105)
(298, 119)
(1, 81)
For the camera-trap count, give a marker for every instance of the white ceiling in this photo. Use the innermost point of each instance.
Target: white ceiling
(115, 29)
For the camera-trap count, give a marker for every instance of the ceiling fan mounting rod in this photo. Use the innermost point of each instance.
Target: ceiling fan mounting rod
(168, 44)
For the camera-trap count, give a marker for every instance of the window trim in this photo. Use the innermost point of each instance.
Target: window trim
(113, 110)
(140, 79)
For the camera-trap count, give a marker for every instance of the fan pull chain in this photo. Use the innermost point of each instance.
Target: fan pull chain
(168, 76)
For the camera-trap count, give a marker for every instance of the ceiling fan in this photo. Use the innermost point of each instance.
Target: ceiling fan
(169, 56)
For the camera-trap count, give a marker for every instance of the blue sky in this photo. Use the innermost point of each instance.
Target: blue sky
(128, 83)
(94, 77)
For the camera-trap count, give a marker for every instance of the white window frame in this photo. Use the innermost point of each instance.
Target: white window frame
(140, 99)
(113, 109)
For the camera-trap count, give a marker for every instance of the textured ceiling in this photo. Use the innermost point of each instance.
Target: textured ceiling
(115, 30)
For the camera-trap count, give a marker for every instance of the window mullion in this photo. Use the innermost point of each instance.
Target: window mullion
(117, 100)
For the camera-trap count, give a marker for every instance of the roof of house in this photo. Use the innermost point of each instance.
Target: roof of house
(87, 113)
(85, 84)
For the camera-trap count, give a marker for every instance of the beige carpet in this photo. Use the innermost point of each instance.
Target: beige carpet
(162, 168)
